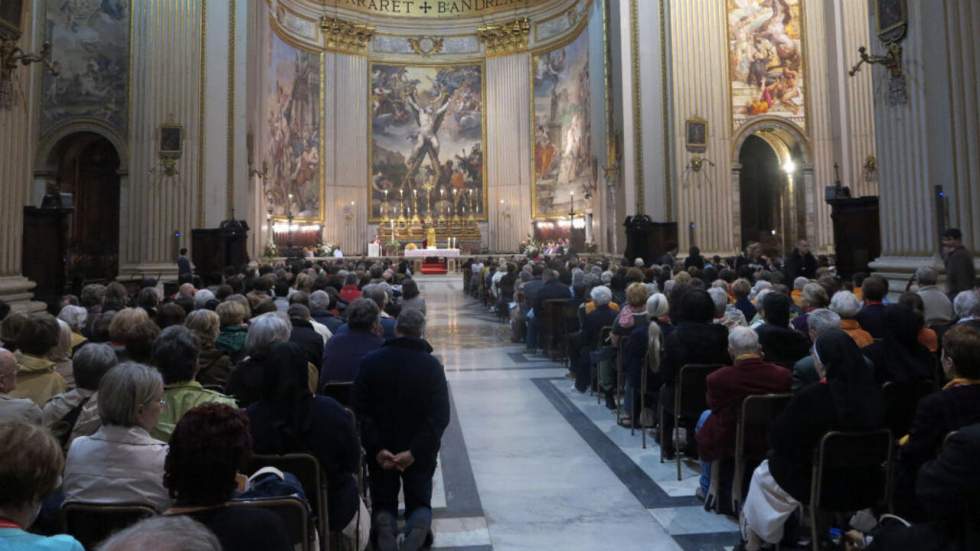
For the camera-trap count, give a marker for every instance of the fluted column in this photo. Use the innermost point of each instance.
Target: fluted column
(508, 150)
(931, 139)
(168, 83)
(346, 157)
(17, 140)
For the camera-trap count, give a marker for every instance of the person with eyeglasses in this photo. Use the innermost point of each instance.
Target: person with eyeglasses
(121, 462)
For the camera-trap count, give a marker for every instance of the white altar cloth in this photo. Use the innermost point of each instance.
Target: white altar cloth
(426, 253)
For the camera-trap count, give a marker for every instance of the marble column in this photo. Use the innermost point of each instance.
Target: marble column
(17, 141)
(930, 139)
(168, 83)
(508, 150)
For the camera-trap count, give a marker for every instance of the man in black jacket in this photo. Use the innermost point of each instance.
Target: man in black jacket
(304, 335)
(801, 262)
(960, 275)
(402, 401)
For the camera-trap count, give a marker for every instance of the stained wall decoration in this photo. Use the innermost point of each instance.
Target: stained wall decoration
(292, 125)
(562, 119)
(90, 41)
(427, 134)
(765, 40)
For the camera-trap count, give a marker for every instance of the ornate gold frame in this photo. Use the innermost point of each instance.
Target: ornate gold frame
(570, 37)
(806, 74)
(896, 32)
(484, 215)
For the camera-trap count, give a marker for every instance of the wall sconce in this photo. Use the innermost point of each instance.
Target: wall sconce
(170, 150)
(697, 163)
(10, 56)
(870, 169)
(891, 61)
(348, 211)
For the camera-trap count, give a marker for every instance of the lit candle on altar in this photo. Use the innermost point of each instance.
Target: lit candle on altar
(386, 195)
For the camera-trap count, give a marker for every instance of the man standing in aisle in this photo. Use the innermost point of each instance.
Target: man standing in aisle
(960, 275)
(402, 401)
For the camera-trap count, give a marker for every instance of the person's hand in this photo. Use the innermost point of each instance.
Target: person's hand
(403, 460)
(386, 460)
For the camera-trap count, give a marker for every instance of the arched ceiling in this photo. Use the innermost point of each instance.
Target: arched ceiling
(449, 30)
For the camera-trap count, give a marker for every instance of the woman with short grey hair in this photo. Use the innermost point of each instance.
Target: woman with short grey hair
(169, 533)
(247, 380)
(601, 295)
(62, 412)
(121, 462)
(846, 305)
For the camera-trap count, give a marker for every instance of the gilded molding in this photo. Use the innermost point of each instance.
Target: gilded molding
(637, 104)
(200, 124)
(346, 36)
(230, 190)
(506, 38)
(426, 46)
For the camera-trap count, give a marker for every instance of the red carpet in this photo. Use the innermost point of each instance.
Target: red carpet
(433, 266)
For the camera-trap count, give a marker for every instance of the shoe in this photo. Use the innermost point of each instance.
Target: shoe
(610, 400)
(385, 532)
(416, 539)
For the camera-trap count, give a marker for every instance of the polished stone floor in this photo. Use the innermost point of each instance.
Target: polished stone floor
(528, 463)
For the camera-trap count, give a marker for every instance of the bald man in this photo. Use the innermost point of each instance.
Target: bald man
(14, 408)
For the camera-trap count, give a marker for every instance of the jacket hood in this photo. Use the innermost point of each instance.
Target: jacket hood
(33, 364)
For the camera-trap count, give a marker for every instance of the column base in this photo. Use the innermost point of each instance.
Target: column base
(16, 291)
(898, 270)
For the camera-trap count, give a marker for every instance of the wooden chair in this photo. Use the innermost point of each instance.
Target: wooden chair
(570, 331)
(852, 455)
(690, 400)
(292, 511)
(92, 523)
(754, 418)
(604, 334)
(551, 326)
(621, 378)
(342, 391)
(306, 468)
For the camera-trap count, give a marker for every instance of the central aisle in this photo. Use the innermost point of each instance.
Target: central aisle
(528, 464)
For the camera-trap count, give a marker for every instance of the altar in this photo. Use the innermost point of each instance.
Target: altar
(444, 260)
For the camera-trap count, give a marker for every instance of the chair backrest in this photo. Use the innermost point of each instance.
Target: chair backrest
(754, 419)
(342, 391)
(291, 510)
(569, 317)
(306, 468)
(92, 523)
(691, 390)
(854, 455)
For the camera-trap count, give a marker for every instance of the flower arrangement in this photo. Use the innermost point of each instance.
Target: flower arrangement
(326, 249)
(393, 246)
(530, 246)
(270, 250)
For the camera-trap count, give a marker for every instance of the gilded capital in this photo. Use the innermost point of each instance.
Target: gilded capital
(505, 38)
(346, 36)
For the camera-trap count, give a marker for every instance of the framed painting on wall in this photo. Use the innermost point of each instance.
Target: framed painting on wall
(562, 155)
(11, 12)
(766, 61)
(892, 17)
(427, 136)
(696, 132)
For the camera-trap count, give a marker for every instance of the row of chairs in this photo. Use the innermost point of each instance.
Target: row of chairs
(92, 523)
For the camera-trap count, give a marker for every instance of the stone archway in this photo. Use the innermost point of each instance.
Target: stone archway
(87, 165)
(797, 193)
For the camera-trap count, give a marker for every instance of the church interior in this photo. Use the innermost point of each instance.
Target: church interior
(586, 231)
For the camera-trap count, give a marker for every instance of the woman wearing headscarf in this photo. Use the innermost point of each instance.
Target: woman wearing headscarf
(848, 398)
(288, 418)
(899, 357)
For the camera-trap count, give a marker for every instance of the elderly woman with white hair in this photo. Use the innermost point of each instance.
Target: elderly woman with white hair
(75, 317)
(121, 462)
(846, 305)
(63, 411)
(596, 314)
(726, 314)
(814, 296)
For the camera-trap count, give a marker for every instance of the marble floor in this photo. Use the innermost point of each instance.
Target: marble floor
(527, 463)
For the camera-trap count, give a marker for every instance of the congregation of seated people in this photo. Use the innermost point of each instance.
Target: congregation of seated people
(169, 402)
(842, 354)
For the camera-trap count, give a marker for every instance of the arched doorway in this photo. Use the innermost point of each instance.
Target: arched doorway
(86, 164)
(771, 168)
